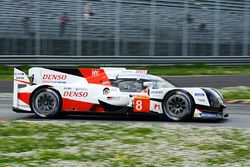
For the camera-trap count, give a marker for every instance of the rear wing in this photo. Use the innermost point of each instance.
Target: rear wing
(20, 80)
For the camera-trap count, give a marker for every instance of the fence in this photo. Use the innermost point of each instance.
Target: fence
(156, 32)
(46, 60)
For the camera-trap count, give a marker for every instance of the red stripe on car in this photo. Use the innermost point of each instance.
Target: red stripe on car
(74, 105)
(23, 81)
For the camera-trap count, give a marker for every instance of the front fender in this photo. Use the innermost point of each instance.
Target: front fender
(199, 96)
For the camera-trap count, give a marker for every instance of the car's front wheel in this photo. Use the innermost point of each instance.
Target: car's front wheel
(178, 106)
(46, 103)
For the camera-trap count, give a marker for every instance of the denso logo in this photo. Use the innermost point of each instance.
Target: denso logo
(75, 94)
(54, 77)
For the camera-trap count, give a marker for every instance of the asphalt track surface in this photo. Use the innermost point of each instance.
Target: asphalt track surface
(239, 117)
(215, 81)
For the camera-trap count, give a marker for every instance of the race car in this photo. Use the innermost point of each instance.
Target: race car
(49, 92)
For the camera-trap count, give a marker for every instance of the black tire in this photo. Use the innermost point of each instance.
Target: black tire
(46, 103)
(178, 105)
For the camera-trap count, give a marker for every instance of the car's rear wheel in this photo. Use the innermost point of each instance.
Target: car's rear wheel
(46, 103)
(178, 106)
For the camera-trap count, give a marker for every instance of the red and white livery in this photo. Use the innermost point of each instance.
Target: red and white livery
(50, 92)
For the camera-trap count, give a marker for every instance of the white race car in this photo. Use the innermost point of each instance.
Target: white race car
(49, 92)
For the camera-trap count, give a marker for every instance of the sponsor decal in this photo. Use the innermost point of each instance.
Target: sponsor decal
(18, 73)
(95, 72)
(131, 75)
(81, 89)
(201, 100)
(75, 94)
(199, 94)
(59, 82)
(113, 98)
(67, 88)
(157, 106)
(157, 92)
(54, 77)
(208, 115)
(141, 71)
(20, 77)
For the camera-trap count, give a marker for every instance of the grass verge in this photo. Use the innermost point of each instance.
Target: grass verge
(6, 72)
(123, 144)
(240, 92)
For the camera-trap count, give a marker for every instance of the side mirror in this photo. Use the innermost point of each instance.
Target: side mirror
(148, 84)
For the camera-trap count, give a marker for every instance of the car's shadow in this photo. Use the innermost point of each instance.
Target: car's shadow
(118, 118)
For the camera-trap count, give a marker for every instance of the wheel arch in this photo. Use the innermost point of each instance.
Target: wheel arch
(41, 87)
(182, 90)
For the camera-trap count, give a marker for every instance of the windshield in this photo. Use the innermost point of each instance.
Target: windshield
(137, 83)
(158, 84)
(130, 86)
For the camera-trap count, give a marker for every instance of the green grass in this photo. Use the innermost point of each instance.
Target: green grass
(6, 72)
(6, 77)
(121, 144)
(240, 92)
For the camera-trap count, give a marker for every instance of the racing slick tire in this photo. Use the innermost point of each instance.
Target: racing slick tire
(46, 103)
(178, 105)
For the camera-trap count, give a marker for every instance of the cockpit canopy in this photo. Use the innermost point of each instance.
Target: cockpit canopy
(134, 80)
(139, 82)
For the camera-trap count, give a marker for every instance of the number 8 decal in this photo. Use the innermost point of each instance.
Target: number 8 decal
(138, 105)
(141, 104)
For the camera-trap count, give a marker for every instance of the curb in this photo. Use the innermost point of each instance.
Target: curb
(4, 120)
(238, 101)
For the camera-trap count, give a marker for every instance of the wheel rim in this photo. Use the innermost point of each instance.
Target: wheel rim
(46, 103)
(177, 106)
